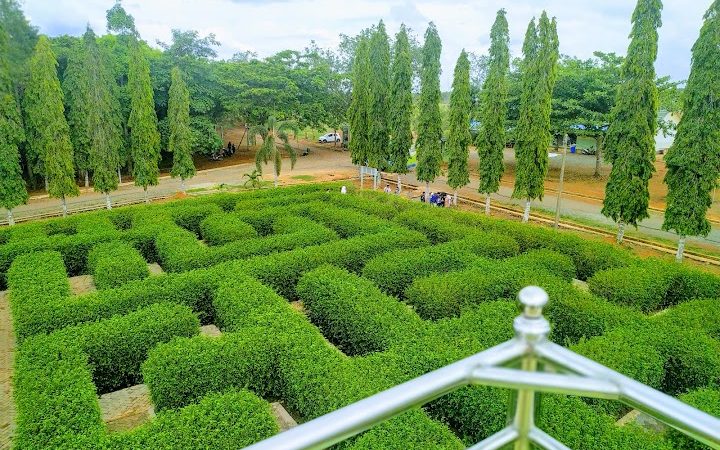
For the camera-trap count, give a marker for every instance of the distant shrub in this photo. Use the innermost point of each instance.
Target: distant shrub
(114, 264)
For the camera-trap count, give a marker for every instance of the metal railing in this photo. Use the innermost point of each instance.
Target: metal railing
(564, 372)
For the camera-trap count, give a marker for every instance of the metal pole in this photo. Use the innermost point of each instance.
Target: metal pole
(560, 186)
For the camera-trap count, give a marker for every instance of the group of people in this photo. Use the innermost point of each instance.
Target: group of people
(440, 199)
(229, 150)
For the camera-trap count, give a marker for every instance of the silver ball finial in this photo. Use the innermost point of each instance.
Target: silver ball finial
(533, 299)
(531, 326)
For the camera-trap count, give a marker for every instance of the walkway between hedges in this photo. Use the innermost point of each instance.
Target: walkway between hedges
(7, 359)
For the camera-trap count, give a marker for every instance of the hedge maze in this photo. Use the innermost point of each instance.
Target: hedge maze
(324, 299)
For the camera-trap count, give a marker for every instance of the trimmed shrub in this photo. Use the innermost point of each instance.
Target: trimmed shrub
(189, 214)
(352, 313)
(219, 229)
(428, 222)
(116, 263)
(117, 346)
(411, 429)
(701, 315)
(705, 399)
(346, 222)
(243, 418)
(544, 260)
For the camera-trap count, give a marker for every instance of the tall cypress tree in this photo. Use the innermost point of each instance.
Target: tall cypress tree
(379, 91)
(630, 141)
(12, 186)
(76, 88)
(103, 121)
(144, 136)
(401, 106)
(50, 135)
(459, 139)
(359, 116)
(541, 50)
(180, 142)
(693, 161)
(493, 110)
(429, 153)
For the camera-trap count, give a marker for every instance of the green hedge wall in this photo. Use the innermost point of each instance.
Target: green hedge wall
(114, 264)
(352, 312)
(220, 229)
(705, 399)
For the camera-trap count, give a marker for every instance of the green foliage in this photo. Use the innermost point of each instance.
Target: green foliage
(533, 137)
(379, 98)
(12, 135)
(401, 104)
(180, 140)
(704, 399)
(693, 161)
(48, 133)
(459, 139)
(144, 136)
(114, 264)
(76, 89)
(271, 130)
(491, 140)
(219, 229)
(630, 142)
(359, 112)
(429, 153)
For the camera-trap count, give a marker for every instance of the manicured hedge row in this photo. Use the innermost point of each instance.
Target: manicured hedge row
(220, 229)
(375, 203)
(352, 313)
(225, 421)
(114, 264)
(705, 399)
(282, 271)
(346, 222)
(190, 215)
(701, 315)
(273, 350)
(54, 391)
(178, 250)
(446, 295)
(652, 285)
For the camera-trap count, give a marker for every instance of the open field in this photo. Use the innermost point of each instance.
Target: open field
(220, 320)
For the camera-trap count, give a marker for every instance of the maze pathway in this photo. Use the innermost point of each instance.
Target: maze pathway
(7, 357)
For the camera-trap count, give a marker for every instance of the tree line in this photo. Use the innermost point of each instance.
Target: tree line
(533, 101)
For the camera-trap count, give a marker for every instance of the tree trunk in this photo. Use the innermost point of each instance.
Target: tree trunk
(455, 198)
(276, 180)
(399, 189)
(375, 180)
(108, 202)
(487, 205)
(147, 199)
(182, 185)
(362, 176)
(526, 214)
(87, 179)
(119, 175)
(11, 219)
(47, 185)
(600, 142)
(680, 250)
(427, 192)
(620, 233)
(335, 139)
(64, 207)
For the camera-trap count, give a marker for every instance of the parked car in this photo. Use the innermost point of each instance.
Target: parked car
(330, 137)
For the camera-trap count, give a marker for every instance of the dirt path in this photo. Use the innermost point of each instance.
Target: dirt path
(7, 359)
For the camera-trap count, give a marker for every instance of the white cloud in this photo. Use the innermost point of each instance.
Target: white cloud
(268, 26)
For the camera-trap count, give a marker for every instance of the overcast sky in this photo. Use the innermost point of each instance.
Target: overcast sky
(268, 26)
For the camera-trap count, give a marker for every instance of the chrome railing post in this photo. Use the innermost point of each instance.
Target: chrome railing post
(531, 328)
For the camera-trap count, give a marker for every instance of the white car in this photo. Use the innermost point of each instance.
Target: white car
(330, 137)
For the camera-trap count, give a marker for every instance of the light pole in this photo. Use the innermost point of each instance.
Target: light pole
(560, 186)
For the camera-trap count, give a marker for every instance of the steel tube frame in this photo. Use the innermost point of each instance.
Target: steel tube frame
(532, 349)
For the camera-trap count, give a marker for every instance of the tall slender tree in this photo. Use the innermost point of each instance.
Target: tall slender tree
(693, 161)
(358, 112)
(76, 88)
(379, 93)
(144, 136)
(459, 138)
(180, 142)
(493, 110)
(401, 106)
(50, 136)
(541, 50)
(630, 141)
(12, 185)
(104, 127)
(429, 153)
